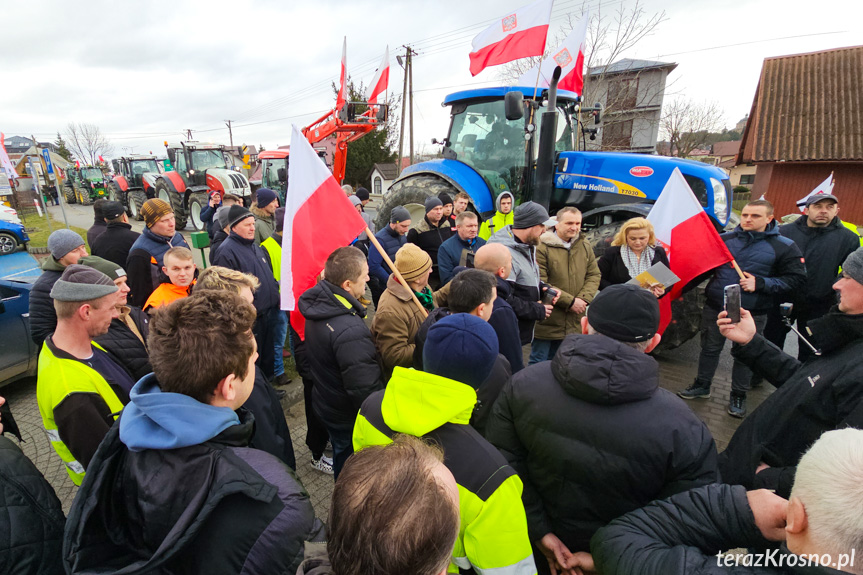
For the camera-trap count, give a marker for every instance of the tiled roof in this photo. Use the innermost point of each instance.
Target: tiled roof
(630, 65)
(726, 148)
(807, 107)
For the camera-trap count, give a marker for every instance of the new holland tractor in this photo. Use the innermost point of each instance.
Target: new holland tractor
(84, 185)
(496, 143)
(134, 182)
(197, 169)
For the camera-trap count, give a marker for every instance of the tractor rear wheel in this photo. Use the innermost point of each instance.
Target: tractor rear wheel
(411, 190)
(176, 201)
(115, 194)
(136, 200)
(84, 197)
(69, 194)
(197, 203)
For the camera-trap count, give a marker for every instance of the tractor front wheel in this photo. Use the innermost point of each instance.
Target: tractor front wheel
(136, 201)
(69, 194)
(197, 203)
(411, 190)
(175, 200)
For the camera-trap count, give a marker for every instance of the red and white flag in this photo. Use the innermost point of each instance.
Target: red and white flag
(825, 187)
(520, 34)
(318, 219)
(569, 56)
(685, 231)
(343, 76)
(5, 163)
(381, 79)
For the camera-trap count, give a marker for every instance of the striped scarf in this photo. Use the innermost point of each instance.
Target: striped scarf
(633, 263)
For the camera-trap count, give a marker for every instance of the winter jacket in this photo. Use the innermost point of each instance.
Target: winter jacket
(341, 351)
(822, 394)
(244, 256)
(395, 325)
(429, 238)
(165, 294)
(774, 260)
(115, 244)
(614, 271)
(454, 253)
(43, 318)
(391, 241)
(219, 236)
(273, 246)
(31, 531)
(208, 214)
(499, 220)
(126, 341)
(78, 406)
(271, 428)
(682, 534)
(493, 533)
(144, 266)
(315, 560)
(97, 229)
(824, 250)
(593, 436)
(265, 224)
(215, 506)
(370, 223)
(488, 390)
(572, 271)
(856, 230)
(525, 282)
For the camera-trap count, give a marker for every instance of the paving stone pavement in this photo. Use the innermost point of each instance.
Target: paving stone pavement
(677, 370)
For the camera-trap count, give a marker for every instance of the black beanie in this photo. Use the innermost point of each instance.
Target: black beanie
(236, 214)
(444, 198)
(624, 312)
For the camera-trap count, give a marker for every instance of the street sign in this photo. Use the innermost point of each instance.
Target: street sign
(47, 156)
(5, 188)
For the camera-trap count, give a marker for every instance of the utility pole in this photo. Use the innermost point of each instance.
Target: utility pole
(188, 134)
(230, 133)
(407, 94)
(411, 94)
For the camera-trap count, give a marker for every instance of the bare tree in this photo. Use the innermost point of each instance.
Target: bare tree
(686, 124)
(87, 142)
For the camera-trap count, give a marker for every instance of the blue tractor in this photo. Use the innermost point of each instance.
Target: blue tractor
(496, 142)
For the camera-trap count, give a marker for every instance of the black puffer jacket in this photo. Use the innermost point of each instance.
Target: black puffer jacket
(244, 256)
(271, 429)
(822, 394)
(341, 352)
(31, 519)
(123, 345)
(681, 535)
(43, 318)
(115, 243)
(593, 436)
(218, 239)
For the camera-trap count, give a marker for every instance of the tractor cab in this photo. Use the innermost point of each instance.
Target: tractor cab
(274, 170)
(191, 160)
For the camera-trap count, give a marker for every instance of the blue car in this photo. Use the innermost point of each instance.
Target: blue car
(12, 235)
(18, 271)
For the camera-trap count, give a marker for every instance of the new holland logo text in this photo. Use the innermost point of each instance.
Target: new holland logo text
(509, 23)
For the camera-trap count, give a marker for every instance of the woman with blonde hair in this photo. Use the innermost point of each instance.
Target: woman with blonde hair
(633, 251)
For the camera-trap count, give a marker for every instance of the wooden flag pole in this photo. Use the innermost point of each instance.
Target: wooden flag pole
(737, 269)
(395, 270)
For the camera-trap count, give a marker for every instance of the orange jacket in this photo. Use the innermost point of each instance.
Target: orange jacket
(165, 294)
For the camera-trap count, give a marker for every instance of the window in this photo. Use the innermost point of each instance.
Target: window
(617, 135)
(377, 185)
(747, 179)
(622, 93)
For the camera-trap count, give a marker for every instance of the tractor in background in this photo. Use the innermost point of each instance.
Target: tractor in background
(197, 169)
(84, 185)
(134, 182)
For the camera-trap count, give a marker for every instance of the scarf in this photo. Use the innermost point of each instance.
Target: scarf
(635, 265)
(425, 298)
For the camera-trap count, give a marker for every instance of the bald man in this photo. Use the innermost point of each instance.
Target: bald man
(496, 258)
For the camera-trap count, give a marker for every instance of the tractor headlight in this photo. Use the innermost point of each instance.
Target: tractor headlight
(720, 200)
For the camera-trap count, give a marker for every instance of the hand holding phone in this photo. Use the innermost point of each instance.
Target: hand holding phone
(732, 302)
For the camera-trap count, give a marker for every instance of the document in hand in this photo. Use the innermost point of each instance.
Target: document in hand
(657, 274)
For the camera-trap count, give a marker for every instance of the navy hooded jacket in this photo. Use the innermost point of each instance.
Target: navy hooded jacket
(391, 241)
(244, 256)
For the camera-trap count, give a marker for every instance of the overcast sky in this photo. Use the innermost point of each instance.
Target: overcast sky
(147, 71)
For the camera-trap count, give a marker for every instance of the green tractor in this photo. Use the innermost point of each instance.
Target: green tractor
(84, 185)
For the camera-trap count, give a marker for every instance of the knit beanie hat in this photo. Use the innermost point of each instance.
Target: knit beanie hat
(431, 203)
(444, 198)
(109, 268)
(237, 214)
(362, 194)
(399, 214)
(221, 216)
(264, 197)
(530, 214)
(154, 210)
(355, 200)
(624, 312)
(80, 283)
(853, 265)
(280, 219)
(412, 262)
(63, 241)
(461, 347)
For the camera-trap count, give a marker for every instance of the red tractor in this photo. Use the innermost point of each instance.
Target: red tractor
(198, 169)
(134, 182)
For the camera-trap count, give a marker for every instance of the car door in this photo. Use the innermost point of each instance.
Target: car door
(16, 348)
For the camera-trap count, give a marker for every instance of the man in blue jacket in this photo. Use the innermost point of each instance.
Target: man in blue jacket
(391, 238)
(461, 248)
(772, 267)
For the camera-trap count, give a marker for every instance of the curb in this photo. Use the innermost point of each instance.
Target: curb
(38, 250)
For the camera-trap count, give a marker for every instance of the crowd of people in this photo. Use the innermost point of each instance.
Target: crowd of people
(158, 387)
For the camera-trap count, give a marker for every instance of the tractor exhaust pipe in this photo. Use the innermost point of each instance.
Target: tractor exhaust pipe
(548, 135)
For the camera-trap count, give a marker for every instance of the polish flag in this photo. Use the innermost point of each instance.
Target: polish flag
(5, 163)
(825, 187)
(685, 231)
(569, 56)
(518, 35)
(381, 79)
(318, 219)
(343, 77)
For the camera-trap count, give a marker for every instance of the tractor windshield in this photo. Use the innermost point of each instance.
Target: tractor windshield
(205, 159)
(144, 166)
(92, 174)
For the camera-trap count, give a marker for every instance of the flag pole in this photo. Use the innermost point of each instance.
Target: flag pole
(395, 270)
(737, 269)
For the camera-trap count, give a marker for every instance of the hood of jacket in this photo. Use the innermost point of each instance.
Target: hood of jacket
(400, 291)
(320, 302)
(156, 419)
(416, 402)
(801, 222)
(751, 237)
(260, 214)
(49, 264)
(499, 198)
(835, 330)
(600, 370)
(551, 239)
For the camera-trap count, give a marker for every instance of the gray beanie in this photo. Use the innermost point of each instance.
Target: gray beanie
(63, 241)
(853, 265)
(82, 283)
(399, 214)
(222, 216)
(109, 268)
(530, 214)
(431, 203)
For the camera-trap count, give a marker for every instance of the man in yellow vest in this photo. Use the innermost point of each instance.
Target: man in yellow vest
(503, 216)
(80, 389)
(273, 246)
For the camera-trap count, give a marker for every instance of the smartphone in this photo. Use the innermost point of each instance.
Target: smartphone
(549, 296)
(732, 302)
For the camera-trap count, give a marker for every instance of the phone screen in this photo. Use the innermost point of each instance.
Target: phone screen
(732, 302)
